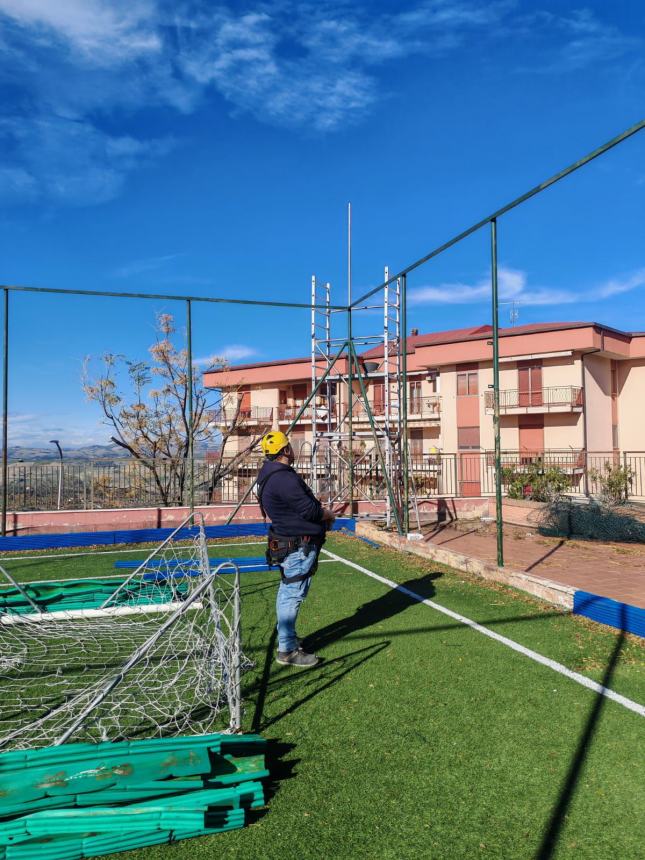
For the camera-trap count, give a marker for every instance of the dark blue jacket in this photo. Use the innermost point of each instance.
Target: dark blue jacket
(288, 502)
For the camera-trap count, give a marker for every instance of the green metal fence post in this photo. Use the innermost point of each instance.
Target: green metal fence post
(191, 416)
(496, 427)
(5, 412)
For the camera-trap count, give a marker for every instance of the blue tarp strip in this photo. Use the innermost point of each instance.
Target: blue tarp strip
(79, 539)
(245, 561)
(611, 612)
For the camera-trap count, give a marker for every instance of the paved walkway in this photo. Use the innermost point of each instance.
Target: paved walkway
(614, 570)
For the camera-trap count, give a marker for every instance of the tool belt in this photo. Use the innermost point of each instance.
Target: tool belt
(279, 547)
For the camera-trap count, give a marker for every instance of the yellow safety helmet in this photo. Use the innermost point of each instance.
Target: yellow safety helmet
(273, 442)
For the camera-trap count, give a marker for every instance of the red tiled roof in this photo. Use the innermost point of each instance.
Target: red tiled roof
(484, 331)
(252, 364)
(450, 336)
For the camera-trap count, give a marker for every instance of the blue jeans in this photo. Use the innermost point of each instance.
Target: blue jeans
(290, 596)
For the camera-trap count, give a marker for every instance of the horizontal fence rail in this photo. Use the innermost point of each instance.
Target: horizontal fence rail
(128, 483)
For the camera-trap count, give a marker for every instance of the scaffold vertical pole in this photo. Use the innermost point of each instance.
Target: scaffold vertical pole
(5, 408)
(496, 425)
(353, 358)
(191, 415)
(387, 382)
(350, 381)
(314, 411)
(404, 402)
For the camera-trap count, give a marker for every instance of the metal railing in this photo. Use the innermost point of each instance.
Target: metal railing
(418, 407)
(250, 415)
(127, 483)
(543, 398)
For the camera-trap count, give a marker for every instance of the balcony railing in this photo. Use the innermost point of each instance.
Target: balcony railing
(288, 413)
(418, 408)
(251, 415)
(424, 407)
(543, 399)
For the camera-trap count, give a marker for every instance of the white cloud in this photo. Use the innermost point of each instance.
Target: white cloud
(71, 430)
(100, 31)
(232, 353)
(513, 286)
(577, 38)
(311, 66)
(149, 264)
(68, 161)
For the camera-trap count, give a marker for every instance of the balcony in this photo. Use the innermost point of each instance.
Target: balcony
(419, 409)
(558, 398)
(252, 416)
(286, 414)
(425, 408)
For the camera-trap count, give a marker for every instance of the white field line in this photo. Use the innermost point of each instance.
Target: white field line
(515, 646)
(120, 575)
(109, 552)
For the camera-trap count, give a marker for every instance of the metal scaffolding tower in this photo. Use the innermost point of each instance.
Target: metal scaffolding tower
(340, 473)
(323, 404)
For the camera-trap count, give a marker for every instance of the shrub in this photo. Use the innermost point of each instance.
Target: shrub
(537, 483)
(614, 483)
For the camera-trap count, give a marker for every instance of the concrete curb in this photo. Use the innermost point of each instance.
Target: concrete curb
(552, 592)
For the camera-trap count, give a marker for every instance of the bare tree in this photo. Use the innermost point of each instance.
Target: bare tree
(147, 406)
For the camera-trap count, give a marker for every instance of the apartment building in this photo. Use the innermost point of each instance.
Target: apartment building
(564, 386)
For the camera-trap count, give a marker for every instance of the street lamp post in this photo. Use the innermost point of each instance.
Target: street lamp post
(60, 470)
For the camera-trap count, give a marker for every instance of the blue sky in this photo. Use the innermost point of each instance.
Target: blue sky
(210, 149)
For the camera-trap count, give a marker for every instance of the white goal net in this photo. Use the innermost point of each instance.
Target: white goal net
(158, 655)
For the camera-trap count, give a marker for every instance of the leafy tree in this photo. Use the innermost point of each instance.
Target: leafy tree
(146, 404)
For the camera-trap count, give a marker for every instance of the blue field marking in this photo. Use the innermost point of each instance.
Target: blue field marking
(108, 538)
(623, 616)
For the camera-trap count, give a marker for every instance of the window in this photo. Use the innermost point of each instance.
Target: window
(378, 403)
(529, 383)
(467, 383)
(416, 443)
(468, 438)
(415, 395)
(301, 391)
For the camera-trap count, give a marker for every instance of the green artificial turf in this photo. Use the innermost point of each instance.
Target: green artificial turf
(417, 737)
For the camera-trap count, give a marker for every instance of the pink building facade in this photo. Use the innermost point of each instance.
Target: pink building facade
(564, 387)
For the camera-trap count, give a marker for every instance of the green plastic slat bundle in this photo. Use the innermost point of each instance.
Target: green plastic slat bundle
(85, 800)
(77, 594)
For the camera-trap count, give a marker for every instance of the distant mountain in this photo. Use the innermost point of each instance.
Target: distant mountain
(84, 452)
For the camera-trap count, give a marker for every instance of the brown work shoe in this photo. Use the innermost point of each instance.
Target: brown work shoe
(298, 657)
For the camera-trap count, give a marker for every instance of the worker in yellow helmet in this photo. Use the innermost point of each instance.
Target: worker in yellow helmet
(299, 524)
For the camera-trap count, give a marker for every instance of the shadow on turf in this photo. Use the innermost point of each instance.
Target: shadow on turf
(313, 681)
(377, 610)
(554, 827)
(280, 769)
(380, 609)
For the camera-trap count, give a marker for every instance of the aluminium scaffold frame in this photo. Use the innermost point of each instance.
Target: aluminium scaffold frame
(353, 365)
(332, 435)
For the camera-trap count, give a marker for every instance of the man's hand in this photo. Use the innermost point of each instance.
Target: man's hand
(328, 516)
